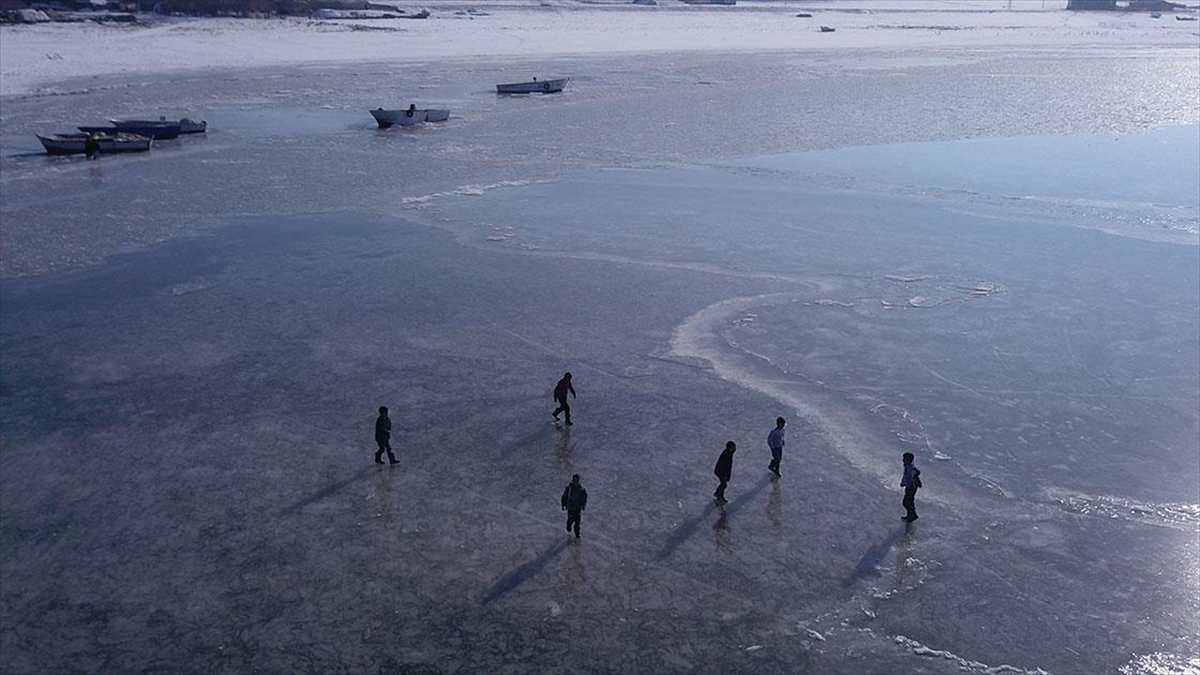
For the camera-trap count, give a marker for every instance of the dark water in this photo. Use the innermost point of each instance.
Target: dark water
(194, 342)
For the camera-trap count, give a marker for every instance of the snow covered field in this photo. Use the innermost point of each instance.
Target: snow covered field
(972, 235)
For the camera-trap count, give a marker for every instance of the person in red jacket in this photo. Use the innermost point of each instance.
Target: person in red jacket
(560, 397)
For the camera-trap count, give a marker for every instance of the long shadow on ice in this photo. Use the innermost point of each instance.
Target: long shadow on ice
(688, 527)
(325, 492)
(523, 573)
(868, 564)
(542, 434)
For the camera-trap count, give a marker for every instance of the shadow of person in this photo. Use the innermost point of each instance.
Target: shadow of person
(324, 492)
(775, 506)
(533, 438)
(574, 573)
(688, 527)
(902, 558)
(523, 573)
(563, 449)
(868, 564)
(721, 533)
(384, 476)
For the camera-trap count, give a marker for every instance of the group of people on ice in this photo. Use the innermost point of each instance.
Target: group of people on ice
(574, 497)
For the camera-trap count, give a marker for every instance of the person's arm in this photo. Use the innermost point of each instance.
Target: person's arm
(571, 388)
(564, 497)
(582, 499)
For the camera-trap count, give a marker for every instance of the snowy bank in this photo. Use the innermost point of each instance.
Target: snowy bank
(34, 56)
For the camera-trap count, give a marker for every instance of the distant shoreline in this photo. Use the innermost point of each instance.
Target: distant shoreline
(35, 57)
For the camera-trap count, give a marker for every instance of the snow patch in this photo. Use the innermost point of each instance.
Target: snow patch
(974, 666)
(1159, 663)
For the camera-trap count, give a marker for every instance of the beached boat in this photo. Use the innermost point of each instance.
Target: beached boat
(408, 116)
(187, 125)
(159, 131)
(533, 86)
(1179, 17)
(76, 144)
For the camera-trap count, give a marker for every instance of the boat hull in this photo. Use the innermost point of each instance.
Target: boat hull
(76, 144)
(408, 116)
(533, 87)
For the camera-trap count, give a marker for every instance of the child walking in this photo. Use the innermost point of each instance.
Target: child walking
(911, 482)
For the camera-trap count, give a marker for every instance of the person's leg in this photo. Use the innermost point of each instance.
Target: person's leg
(379, 452)
(578, 517)
(776, 457)
(391, 457)
(910, 510)
(720, 493)
(573, 520)
(566, 409)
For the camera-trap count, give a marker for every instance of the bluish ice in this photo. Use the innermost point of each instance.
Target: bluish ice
(996, 270)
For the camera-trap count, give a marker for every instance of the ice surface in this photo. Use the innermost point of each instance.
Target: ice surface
(193, 344)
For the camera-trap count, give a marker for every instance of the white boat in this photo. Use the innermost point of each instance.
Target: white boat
(533, 86)
(76, 144)
(408, 116)
(187, 125)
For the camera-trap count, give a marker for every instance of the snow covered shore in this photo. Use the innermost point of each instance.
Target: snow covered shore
(33, 57)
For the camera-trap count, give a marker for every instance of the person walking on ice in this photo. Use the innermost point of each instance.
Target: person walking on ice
(560, 396)
(723, 470)
(911, 482)
(775, 442)
(383, 435)
(574, 501)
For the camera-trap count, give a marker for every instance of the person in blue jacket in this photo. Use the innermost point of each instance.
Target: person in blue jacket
(574, 501)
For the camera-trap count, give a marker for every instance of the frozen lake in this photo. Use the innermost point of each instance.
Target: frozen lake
(990, 261)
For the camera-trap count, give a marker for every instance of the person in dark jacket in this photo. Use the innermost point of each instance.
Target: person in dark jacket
(724, 469)
(775, 443)
(383, 435)
(560, 396)
(574, 501)
(91, 146)
(911, 482)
